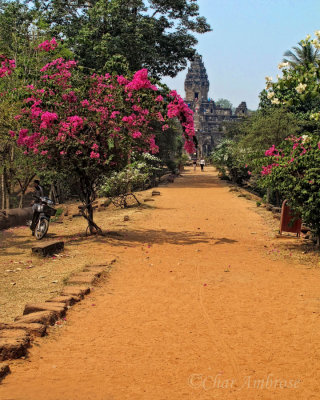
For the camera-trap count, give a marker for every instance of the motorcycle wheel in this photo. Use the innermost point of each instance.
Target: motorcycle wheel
(41, 228)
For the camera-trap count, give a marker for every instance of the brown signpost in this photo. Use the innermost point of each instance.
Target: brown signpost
(289, 222)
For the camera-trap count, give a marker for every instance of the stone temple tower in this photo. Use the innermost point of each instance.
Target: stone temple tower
(196, 84)
(209, 118)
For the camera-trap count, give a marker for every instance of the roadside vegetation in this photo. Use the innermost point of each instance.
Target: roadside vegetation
(276, 150)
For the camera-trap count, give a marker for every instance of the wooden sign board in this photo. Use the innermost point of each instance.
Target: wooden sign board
(289, 222)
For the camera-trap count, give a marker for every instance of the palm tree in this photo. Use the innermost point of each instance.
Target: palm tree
(304, 55)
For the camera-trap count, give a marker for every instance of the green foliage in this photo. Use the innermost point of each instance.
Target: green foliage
(123, 36)
(297, 90)
(296, 176)
(170, 142)
(132, 178)
(264, 129)
(303, 54)
(224, 103)
(230, 159)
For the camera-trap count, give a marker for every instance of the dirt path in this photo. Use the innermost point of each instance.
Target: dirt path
(195, 308)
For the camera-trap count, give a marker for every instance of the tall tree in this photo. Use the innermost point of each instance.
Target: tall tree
(304, 54)
(127, 35)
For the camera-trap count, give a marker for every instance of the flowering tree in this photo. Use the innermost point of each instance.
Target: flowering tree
(6, 66)
(89, 126)
(297, 88)
(294, 171)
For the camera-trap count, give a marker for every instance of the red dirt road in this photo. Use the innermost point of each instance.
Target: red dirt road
(194, 308)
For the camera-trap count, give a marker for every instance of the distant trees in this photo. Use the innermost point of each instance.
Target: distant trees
(223, 103)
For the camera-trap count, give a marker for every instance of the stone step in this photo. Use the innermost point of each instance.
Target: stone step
(41, 317)
(34, 330)
(58, 308)
(83, 278)
(67, 300)
(79, 291)
(95, 269)
(4, 370)
(13, 343)
(48, 248)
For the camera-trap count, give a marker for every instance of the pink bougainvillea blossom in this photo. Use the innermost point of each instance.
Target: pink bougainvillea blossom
(95, 146)
(140, 81)
(85, 103)
(271, 151)
(47, 119)
(6, 66)
(267, 170)
(48, 45)
(122, 80)
(94, 155)
(95, 120)
(136, 134)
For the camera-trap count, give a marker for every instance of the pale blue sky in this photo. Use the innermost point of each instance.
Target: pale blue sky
(248, 40)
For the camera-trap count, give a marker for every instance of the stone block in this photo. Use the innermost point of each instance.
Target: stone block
(59, 308)
(13, 343)
(34, 329)
(95, 269)
(156, 193)
(41, 317)
(111, 260)
(4, 370)
(76, 215)
(15, 333)
(11, 348)
(48, 248)
(79, 291)
(67, 300)
(83, 278)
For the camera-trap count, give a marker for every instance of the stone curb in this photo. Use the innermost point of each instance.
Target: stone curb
(17, 337)
(4, 370)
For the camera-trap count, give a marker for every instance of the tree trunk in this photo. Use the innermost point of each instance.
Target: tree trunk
(6, 189)
(53, 193)
(3, 193)
(88, 197)
(7, 200)
(268, 195)
(21, 199)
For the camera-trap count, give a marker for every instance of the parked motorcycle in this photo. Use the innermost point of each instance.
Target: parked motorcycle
(44, 211)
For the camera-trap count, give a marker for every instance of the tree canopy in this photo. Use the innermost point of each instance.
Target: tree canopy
(126, 35)
(304, 54)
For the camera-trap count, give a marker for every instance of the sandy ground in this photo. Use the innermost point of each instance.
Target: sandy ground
(201, 304)
(28, 278)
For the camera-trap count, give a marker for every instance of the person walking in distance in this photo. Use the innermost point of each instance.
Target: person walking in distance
(202, 164)
(194, 164)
